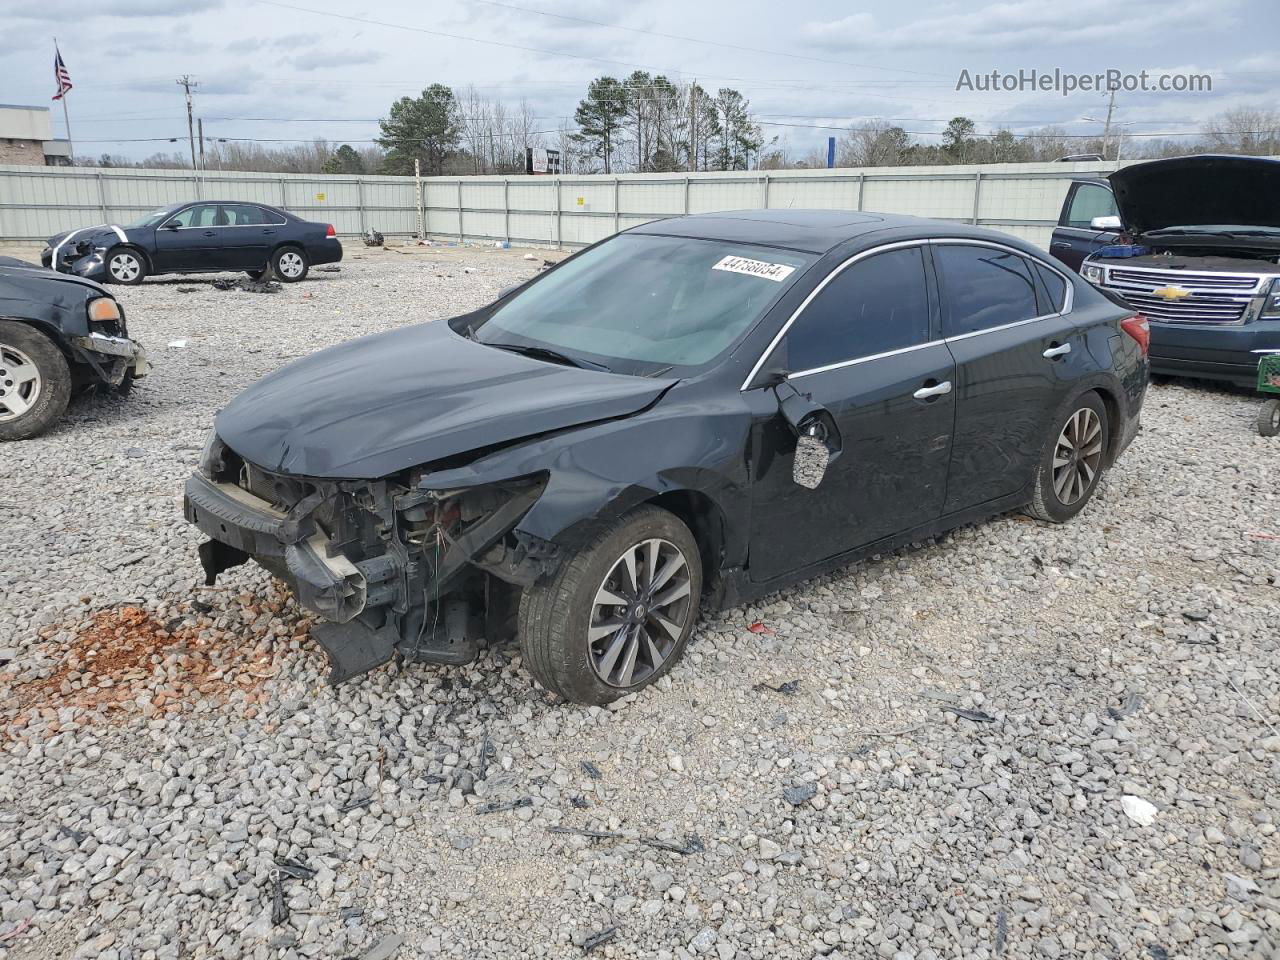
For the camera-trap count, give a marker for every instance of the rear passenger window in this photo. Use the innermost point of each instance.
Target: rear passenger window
(875, 305)
(243, 214)
(1054, 287)
(983, 287)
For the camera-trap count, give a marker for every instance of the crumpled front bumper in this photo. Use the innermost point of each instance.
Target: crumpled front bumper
(242, 525)
(113, 357)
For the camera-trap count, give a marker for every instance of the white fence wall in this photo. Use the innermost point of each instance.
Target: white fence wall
(1022, 199)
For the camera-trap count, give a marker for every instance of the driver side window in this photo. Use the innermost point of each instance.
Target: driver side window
(1090, 201)
(201, 215)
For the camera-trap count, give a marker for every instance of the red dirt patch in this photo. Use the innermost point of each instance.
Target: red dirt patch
(124, 662)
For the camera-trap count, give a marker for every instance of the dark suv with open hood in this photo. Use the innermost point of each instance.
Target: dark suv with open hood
(1197, 255)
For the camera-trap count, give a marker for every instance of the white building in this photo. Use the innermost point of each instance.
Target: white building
(26, 137)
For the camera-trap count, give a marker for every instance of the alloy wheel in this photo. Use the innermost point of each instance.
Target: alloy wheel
(20, 383)
(1077, 456)
(289, 264)
(639, 613)
(124, 267)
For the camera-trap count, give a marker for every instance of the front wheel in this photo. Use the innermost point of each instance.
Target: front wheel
(289, 264)
(35, 382)
(616, 616)
(1269, 419)
(1072, 463)
(125, 266)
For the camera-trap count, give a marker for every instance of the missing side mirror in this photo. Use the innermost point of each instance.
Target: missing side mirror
(810, 464)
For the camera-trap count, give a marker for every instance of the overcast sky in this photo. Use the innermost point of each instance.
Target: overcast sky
(813, 62)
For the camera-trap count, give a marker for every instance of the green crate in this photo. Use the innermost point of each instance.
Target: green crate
(1269, 373)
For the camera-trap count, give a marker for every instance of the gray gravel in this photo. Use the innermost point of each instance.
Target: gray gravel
(1017, 741)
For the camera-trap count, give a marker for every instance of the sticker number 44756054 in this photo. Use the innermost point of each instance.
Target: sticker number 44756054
(755, 268)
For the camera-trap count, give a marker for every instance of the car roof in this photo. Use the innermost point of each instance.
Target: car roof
(810, 231)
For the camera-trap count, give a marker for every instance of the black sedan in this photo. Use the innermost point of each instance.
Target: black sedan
(58, 335)
(203, 237)
(687, 415)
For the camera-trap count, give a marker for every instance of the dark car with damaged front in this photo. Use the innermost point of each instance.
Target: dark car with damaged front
(685, 416)
(201, 237)
(59, 336)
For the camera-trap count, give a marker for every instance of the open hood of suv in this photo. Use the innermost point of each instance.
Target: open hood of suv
(1200, 190)
(390, 401)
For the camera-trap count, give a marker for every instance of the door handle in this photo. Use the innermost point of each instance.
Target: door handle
(1061, 350)
(209, 233)
(937, 390)
(268, 231)
(1060, 243)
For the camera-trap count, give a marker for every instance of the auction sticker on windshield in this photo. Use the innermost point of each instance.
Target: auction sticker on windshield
(776, 272)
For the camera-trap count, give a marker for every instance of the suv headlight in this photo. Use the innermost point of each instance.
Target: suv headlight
(1271, 303)
(1091, 272)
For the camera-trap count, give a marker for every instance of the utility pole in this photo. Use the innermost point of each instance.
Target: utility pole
(1106, 128)
(186, 83)
(693, 125)
(200, 126)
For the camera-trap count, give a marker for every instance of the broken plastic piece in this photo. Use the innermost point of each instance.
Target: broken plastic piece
(977, 716)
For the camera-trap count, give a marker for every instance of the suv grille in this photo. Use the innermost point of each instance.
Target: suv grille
(1214, 298)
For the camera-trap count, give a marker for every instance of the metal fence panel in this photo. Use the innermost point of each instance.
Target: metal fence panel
(1023, 199)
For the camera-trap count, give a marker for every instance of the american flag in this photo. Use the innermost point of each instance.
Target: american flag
(61, 77)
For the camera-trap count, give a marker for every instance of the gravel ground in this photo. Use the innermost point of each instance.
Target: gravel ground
(1016, 741)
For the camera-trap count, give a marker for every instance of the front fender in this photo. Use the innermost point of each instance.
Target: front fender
(600, 472)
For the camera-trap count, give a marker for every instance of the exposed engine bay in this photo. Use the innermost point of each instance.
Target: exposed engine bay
(395, 569)
(1208, 259)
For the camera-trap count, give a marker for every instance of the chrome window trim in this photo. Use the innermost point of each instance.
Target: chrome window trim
(875, 356)
(1068, 303)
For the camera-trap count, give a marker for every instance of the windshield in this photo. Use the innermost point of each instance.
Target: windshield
(149, 219)
(642, 304)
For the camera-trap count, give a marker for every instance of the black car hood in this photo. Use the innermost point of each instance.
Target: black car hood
(384, 403)
(1182, 191)
(30, 273)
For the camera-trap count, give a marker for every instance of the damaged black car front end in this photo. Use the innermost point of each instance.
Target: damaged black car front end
(394, 566)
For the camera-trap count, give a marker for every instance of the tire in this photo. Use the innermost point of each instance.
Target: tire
(1064, 484)
(555, 616)
(1269, 419)
(125, 265)
(289, 264)
(33, 375)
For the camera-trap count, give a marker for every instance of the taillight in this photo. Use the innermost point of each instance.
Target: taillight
(1138, 328)
(329, 231)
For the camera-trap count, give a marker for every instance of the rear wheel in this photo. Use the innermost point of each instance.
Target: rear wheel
(616, 616)
(35, 382)
(125, 265)
(1072, 463)
(289, 264)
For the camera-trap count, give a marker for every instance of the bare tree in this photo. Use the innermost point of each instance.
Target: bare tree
(876, 143)
(1246, 130)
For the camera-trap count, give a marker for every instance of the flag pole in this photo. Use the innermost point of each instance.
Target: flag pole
(66, 118)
